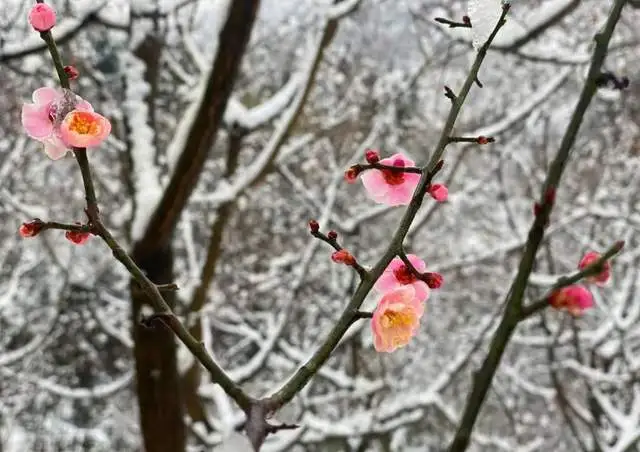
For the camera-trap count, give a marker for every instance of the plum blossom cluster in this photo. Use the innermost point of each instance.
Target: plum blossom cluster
(405, 286)
(575, 299)
(393, 180)
(62, 121)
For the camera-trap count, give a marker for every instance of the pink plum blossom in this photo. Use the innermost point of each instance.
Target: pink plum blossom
(84, 129)
(42, 17)
(439, 192)
(396, 319)
(573, 299)
(42, 119)
(390, 187)
(397, 274)
(602, 278)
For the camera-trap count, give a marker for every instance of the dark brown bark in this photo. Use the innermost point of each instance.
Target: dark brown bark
(160, 397)
(157, 379)
(202, 136)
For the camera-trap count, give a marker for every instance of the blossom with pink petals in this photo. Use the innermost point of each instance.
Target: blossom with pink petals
(573, 299)
(439, 192)
(397, 274)
(602, 278)
(43, 120)
(77, 237)
(84, 129)
(42, 17)
(396, 319)
(390, 187)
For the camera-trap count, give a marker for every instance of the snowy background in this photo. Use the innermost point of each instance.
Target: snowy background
(66, 366)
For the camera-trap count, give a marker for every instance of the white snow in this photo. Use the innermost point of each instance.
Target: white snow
(146, 174)
(259, 115)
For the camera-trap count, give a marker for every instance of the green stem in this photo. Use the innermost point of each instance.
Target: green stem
(305, 372)
(151, 290)
(513, 311)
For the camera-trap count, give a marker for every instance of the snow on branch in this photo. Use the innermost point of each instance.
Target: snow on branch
(97, 392)
(250, 174)
(146, 174)
(484, 14)
(253, 118)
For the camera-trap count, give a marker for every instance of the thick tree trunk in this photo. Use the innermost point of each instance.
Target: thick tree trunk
(157, 379)
(160, 398)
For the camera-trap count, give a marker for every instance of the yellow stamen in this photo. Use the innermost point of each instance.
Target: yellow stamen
(84, 124)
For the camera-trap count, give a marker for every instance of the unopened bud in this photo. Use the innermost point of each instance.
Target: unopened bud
(314, 226)
(332, 235)
(351, 175)
(72, 72)
(433, 280)
(343, 257)
(372, 156)
(31, 229)
(484, 140)
(77, 237)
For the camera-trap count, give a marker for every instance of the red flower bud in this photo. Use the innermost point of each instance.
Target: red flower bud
(372, 156)
(77, 237)
(31, 229)
(332, 235)
(351, 175)
(484, 140)
(72, 72)
(343, 257)
(433, 280)
(439, 192)
(314, 226)
(550, 196)
(466, 20)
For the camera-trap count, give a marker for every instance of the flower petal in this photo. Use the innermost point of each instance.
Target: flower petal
(45, 95)
(54, 148)
(36, 122)
(83, 129)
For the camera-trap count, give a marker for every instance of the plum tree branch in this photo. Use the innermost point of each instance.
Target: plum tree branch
(151, 290)
(513, 304)
(301, 377)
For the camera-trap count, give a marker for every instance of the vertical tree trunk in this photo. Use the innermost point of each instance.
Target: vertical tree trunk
(158, 383)
(157, 379)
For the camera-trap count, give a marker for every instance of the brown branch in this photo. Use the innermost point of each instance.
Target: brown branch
(150, 289)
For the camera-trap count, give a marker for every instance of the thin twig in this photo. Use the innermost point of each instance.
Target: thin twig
(513, 304)
(591, 270)
(301, 377)
(151, 290)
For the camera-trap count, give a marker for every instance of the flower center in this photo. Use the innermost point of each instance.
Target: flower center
(395, 319)
(404, 275)
(83, 124)
(53, 109)
(393, 177)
